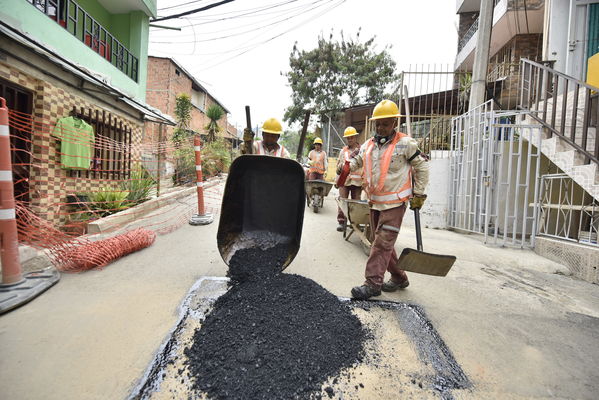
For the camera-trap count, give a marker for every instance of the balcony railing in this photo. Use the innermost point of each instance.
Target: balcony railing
(73, 18)
(468, 35)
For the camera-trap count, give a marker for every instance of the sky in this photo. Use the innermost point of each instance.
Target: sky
(239, 50)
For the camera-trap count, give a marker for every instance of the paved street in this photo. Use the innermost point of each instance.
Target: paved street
(517, 325)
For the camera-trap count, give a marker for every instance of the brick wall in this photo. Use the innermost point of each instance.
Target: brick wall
(49, 183)
(164, 85)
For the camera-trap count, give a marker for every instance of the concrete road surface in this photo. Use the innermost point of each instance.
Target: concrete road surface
(515, 322)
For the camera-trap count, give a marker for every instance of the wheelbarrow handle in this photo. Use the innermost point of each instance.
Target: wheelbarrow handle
(418, 230)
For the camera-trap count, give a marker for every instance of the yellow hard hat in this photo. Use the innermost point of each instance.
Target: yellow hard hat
(350, 131)
(317, 141)
(385, 109)
(272, 125)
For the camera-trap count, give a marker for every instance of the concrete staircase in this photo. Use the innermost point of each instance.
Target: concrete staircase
(565, 156)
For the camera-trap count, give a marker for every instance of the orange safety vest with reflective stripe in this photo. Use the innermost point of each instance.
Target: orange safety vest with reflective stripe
(352, 175)
(262, 151)
(318, 165)
(375, 190)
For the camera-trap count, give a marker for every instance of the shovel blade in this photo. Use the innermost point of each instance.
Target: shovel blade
(425, 263)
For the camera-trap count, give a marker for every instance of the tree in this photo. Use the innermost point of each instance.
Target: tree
(214, 113)
(183, 117)
(337, 74)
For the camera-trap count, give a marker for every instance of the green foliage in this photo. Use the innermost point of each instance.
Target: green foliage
(139, 186)
(185, 170)
(290, 139)
(183, 109)
(337, 74)
(464, 90)
(216, 158)
(105, 202)
(214, 113)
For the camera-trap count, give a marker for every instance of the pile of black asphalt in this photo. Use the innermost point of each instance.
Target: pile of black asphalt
(273, 335)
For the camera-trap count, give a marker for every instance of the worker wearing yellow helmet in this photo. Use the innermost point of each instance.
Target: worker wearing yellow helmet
(268, 146)
(317, 159)
(353, 184)
(391, 160)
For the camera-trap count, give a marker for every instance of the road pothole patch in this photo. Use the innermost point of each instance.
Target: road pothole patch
(403, 356)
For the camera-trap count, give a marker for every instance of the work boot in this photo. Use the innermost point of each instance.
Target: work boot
(341, 227)
(364, 292)
(391, 286)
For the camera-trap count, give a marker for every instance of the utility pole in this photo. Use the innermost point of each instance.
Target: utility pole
(481, 54)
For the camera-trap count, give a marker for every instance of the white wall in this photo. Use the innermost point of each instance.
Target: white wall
(434, 213)
(557, 35)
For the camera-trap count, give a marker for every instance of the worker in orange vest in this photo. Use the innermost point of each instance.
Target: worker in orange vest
(318, 161)
(353, 184)
(391, 160)
(269, 146)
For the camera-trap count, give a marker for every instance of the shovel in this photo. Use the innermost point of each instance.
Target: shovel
(424, 263)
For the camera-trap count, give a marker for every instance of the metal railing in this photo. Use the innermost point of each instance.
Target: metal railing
(468, 35)
(565, 106)
(73, 18)
(566, 211)
(494, 169)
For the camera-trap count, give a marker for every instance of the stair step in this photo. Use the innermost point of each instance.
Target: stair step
(585, 175)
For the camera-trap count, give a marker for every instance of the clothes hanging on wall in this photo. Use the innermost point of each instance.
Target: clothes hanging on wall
(76, 142)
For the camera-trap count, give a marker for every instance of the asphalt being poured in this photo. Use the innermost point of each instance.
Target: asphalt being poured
(273, 335)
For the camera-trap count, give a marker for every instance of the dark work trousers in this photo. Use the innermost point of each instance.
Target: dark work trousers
(385, 225)
(313, 176)
(344, 193)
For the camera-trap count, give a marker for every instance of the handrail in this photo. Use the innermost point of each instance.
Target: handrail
(560, 74)
(546, 94)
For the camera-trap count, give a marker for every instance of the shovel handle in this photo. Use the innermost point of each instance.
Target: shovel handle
(418, 231)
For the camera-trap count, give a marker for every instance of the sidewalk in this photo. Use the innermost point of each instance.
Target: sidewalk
(516, 324)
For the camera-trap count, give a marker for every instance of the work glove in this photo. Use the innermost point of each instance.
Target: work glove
(339, 168)
(248, 135)
(417, 201)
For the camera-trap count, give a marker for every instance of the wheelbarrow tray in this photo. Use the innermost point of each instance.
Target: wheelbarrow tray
(357, 213)
(318, 186)
(263, 206)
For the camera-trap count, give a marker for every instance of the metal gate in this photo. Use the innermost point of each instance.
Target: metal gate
(495, 165)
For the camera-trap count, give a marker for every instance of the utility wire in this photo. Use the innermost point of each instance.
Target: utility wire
(197, 10)
(276, 36)
(240, 33)
(243, 15)
(180, 5)
(248, 43)
(254, 23)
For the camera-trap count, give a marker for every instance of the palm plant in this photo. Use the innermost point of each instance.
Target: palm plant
(214, 113)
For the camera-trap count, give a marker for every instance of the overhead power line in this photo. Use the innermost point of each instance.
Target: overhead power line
(197, 10)
(180, 5)
(305, 8)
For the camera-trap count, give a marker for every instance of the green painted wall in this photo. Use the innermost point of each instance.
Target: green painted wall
(132, 30)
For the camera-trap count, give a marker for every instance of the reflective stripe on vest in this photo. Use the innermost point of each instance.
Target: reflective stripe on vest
(346, 154)
(376, 193)
(263, 152)
(318, 166)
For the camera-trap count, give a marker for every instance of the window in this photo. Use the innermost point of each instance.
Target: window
(198, 99)
(112, 154)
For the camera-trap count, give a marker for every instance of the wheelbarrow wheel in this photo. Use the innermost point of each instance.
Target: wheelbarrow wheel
(315, 208)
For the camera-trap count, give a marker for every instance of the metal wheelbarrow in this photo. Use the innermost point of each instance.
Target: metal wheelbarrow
(316, 191)
(263, 206)
(357, 214)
